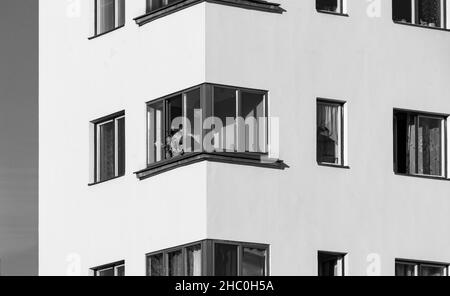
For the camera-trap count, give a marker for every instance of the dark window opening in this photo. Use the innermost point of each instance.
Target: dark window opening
(109, 15)
(428, 13)
(330, 126)
(335, 6)
(153, 5)
(413, 268)
(113, 269)
(331, 264)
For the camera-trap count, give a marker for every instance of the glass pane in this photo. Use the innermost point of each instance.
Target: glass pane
(327, 5)
(121, 13)
(176, 263)
(429, 270)
(154, 4)
(106, 15)
(429, 13)
(106, 272)
(194, 261)
(330, 264)
(401, 11)
(155, 265)
(429, 146)
(156, 132)
(120, 270)
(404, 269)
(253, 262)
(224, 107)
(174, 137)
(121, 145)
(106, 151)
(193, 123)
(225, 260)
(328, 133)
(252, 109)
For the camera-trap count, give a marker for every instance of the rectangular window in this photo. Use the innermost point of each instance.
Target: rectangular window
(330, 135)
(417, 268)
(153, 5)
(331, 264)
(419, 144)
(233, 119)
(334, 6)
(210, 257)
(109, 139)
(113, 269)
(428, 13)
(109, 15)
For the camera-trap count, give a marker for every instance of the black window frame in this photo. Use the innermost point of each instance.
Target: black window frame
(96, 123)
(206, 105)
(338, 255)
(419, 264)
(416, 114)
(342, 136)
(97, 32)
(415, 22)
(114, 265)
(208, 255)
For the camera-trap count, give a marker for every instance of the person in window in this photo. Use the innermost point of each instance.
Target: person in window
(176, 142)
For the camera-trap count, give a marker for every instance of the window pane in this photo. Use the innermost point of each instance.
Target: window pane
(106, 272)
(120, 270)
(330, 264)
(176, 263)
(193, 123)
(156, 132)
(404, 269)
(327, 5)
(155, 265)
(253, 262)
(225, 260)
(429, 146)
(107, 151)
(154, 4)
(194, 261)
(328, 133)
(401, 11)
(224, 108)
(121, 13)
(429, 270)
(106, 15)
(253, 135)
(429, 13)
(121, 145)
(174, 136)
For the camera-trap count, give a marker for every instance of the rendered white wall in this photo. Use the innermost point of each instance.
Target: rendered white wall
(374, 65)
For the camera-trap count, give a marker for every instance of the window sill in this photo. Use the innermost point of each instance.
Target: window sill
(169, 9)
(330, 165)
(104, 181)
(421, 26)
(423, 177)
(104, 33)
(248, 159)
(332, 13)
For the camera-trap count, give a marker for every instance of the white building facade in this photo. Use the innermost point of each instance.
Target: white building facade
(344, 173)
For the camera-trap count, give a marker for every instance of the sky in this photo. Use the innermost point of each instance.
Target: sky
(19, 137)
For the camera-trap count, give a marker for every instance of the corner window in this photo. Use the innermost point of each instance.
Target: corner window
(109, 15)
(210, 257)
(207, 118)
(419, 144)
(331, 264)
(412, 268)
(153, 5)
(427, 13)
(109, 151)
(113, 269)
(333, 6)
(330, 132)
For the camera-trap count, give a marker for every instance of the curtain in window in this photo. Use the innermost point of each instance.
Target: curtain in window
(429, 150)
(194, 261)
(328, 146)
(106, 15)
(429, 13)
(176, 263)
(155, 265)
